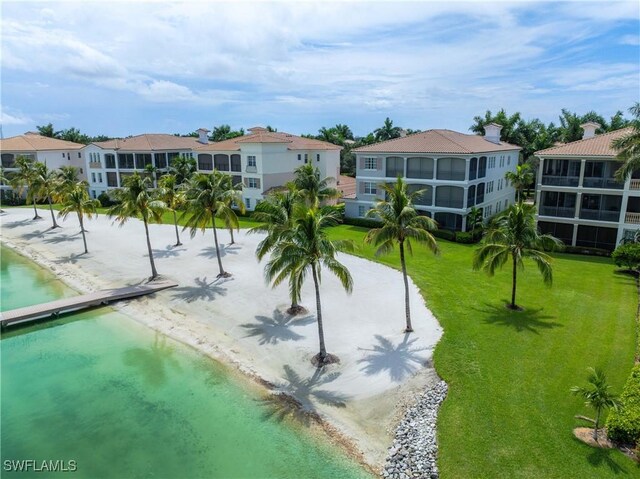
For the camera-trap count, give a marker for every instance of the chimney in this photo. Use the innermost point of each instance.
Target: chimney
(492, 132)
(203, 137)
(589, 129)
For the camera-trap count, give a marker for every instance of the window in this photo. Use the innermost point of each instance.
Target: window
(235, 163)
(361, 211)
(161, 160)
(79, 155)
(221, 162)
(508, 160)
(247, 202)
(99, 177)
(395, 166)
(471, 196)
(306, 157)
(93, 177)
(110, 160)
(112, 178)
(482, 167)
(251, 160)
(252, 182)
(370, 188)
(8, 160)
(419, 167)
(473, 168)
(93, 193)
(498, 206)
(142, 160)
(125, 160)
(451, 169)
(317, 156)
(299, 157)
(205, 162)
(63, 155)
(370, 163)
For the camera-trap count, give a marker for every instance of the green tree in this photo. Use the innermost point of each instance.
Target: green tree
(520, 179)
(134, 199)
(224, 132)
(173, 197)
(182, 167)
(475, 221)
(401, 224)
(76, 199)
(510, 124)
(628, 147)
(305, 249)
(234, 200)
(598, 395)
(207, 199)
(310, 187)
(515, 236)
(74, 135)
(47, 130)
(387, 131)
(67, 180)
(24, 179)
(47, 185)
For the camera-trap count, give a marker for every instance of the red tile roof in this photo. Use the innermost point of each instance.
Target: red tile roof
(35, 142)
(347, 186)
(599, 145)
(150, 142)
(293, 142)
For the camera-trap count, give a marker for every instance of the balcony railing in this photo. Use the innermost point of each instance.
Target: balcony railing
(95, 164)
(632, 218)
(557, 211)
(593, 182)
(560, 180)
(600, 215)
(251, 169)
(635, 184)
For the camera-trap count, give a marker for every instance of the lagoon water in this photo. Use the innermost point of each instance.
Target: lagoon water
(122, 401)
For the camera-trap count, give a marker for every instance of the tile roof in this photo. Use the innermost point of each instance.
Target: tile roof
(437, 141)
(150, 142)
(35, 142)
(599, 145)
(347, 186)
(263, 136)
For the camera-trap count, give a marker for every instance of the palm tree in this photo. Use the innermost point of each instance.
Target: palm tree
(208, 198)
(474, 221)
(46, 185)
(182, 167)
(514, 235)
(310, 187)
(67, 180)
(520, 179)
(233, 200)
(275, 215)
(387, 131)
(173, 197)
(628, 147)
(597, 395)
(77, 200)
(306, 248)
(23, 179)
(134, 199)
(401, 224)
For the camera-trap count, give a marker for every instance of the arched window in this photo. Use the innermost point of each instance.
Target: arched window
(451, 169)
(473, 169)
(419, 167)
(450, 196)
(426, 199)
(471, 196)
(221, 162)
(395, 166)
(205, 162)
(235, 163)
(482, 167)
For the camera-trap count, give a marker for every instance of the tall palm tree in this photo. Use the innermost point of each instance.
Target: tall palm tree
(275, 215)
(305, 249)
(520, 179)
(182, 167)
(597, 395)
(628, 147)
(67, 180)
(387, 131)
(77, 200)
(173, 197)
(47, 185)
(401, 224)
(207, 199)
(233, 201)
(310, 187)
(24, 179)
(135, 199)
(515, 236)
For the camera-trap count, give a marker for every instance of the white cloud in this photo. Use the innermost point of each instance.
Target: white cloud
(633, 40)
(13, 117)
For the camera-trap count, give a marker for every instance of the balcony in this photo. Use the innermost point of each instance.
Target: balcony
(560, 180)
(251, 169)
(609, 183)
(557, 211)
(599, 215)
(635, 184)
(632, 218)
(95, 164)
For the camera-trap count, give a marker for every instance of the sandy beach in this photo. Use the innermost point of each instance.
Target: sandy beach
(243, 322)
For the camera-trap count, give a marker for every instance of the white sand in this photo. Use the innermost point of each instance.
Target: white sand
(242, 321)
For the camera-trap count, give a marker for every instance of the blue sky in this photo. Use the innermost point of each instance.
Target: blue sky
(121, 68)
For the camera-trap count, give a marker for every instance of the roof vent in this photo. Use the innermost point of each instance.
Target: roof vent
(589, 129)
(492, 132)
(202, 136)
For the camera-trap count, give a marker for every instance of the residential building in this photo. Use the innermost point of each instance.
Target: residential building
(457, 171)
(579, 200)
(50, 151)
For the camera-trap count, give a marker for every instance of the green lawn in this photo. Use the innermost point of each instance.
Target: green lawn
(509, 413)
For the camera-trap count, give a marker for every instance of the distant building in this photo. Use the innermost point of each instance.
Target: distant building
(579, 201)
(457, 171)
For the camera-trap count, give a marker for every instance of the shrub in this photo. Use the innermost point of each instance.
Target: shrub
(627, 255)
(444, 234)
(11, 198)
(586, 251)
(105, 200)
(467, 237)
(363, 222)
(623, 425)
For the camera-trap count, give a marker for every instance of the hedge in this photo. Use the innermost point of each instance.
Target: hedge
(627, 255)
(623, 425)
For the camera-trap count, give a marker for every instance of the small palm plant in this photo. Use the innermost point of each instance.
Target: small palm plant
(134, 199)
(597, 395)
(306, 248)
(183, 168)
(310, 187)
(47, 185)
(514, 236)
(25, 178)
(77, 200)
(67, 180)
(520, 179)
(401, 224)
(173, 197)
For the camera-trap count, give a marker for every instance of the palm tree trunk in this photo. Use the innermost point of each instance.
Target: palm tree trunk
(53, 217)
(35, 211)
(84, 238)
(232, 240)
(595, 431)
(175, 223)
(215, 239)
(407, 309)
(154, 273)
(323, 351)
(513, 287)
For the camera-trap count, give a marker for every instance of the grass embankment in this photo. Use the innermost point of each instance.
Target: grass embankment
(509, 413)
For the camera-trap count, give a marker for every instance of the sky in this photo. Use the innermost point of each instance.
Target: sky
(126, 68)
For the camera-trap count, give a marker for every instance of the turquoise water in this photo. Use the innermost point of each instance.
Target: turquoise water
(122, 401)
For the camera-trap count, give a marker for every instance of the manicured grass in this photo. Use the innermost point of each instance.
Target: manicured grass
(509, 413)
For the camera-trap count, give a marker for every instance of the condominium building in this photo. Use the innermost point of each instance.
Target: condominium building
(260, 160)
(579, 200)
(457, 171)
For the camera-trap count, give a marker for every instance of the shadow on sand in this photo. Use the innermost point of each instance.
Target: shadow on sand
(62, 237)
(202, 290)
(531, 320)
(210, 251)
(170, 251)
(399, 360)
(276, 328)
(72, 258)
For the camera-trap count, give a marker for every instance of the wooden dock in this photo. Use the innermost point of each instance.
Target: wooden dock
(75, 303)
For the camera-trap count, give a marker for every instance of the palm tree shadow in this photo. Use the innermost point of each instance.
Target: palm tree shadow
(272, 330)
(72, 258)
(153, 362)
(295, 396)
(169, 252)
(526, 320)
(16, 224)
(399, 360)
(33, 234)
(210, 251)
(201, 291)
(600, 456)
(60, 238)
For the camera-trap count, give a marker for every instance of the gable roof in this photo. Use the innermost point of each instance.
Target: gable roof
(437, 141)
(150, 142)
(599, 145)
(36, 142)
(293, 142)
